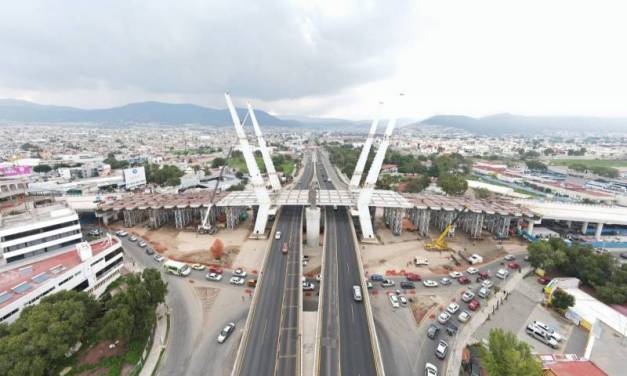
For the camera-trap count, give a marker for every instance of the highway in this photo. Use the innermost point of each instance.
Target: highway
(345, 347)
(272, 346)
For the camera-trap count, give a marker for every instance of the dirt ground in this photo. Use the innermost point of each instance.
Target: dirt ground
(101, 350)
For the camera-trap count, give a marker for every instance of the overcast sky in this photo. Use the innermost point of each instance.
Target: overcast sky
(335, 58)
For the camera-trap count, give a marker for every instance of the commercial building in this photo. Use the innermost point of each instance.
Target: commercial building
(36, 231)
(89, 267)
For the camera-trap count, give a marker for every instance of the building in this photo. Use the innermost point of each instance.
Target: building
(89, 267)
(572, 368)
(37, 231)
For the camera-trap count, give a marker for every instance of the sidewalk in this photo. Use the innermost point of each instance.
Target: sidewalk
(464, 335)
(158, 343)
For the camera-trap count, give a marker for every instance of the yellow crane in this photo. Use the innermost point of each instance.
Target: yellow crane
(440, 243)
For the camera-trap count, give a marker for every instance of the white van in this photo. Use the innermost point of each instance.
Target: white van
(357, 293)
(475, 259)
(177, 268)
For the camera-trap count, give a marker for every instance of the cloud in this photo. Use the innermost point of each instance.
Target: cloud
(193, 49)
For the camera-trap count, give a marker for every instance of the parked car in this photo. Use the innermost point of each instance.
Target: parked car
(468, 296)
(133, 238)
(121, 233)
(431, 369)
(475, 259)
(452, 308)
(463, 316)
(308, 286)
(387, 283)
(463, 280)
(443, 317)
(550, 330)
(541, 336)
(429, 283)
(412, 277)
(441, 349)
(394, 301)
(472, 270)
(403, 299)
(483, 293)
(502, 273)
(142, 244)
(487, 284)
(149, 251)
(474, 305)
(451, 329)
(198, 267)
(216, 269)
(544, 280)
(445, 281)
(484, 275)
(455, 275)
(509, 258)
(377, 278)
(238, 281)
(239, 272)
(421, 261)
(159, 258)
(432, 331)
(252, 283)
(407, 285)
(369, 285)
(226, 332)
(513, 265)
(214, 277)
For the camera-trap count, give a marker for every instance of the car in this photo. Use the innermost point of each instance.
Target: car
(472, 270)
(357, 293)
(403, 299)
(387, 283)
(487, 284)
(433, 331)
(369, 285)
(455, 275)
(429, 283)
(94, 232)
(513, 265)
(445, 281)
(502, 273)
(121, 233)
(421, 261)
(463, 280)
(305, 262)
(133, 238)
(159, 258)
(541, 335)
(483, 293)
(444, 317)
(318, 277)
(284, 249)
(475, 259)
(142, 244)
(544, 280)
(468, 296)
(239, 272)
(308, 286)
(451, 329)
(216, 269)
(252, 283)
(474, 305)
(412, 277)
(484, 275)
(277, 235)
(463, 316)
(377, 278)
(238, 281)
(452, 308)
(441, 349)
(431, 370)
(509, 258)
(394, 301)
(407, 285)
(198, 267)
(226, 332)
(150, 251)
(550, 330)
(214, 277)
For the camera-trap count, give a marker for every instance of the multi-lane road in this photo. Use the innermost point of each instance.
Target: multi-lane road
(272, 345)
(345, 343)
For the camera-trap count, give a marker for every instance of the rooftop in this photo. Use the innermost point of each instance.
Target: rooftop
(573, 368)
(38, 214)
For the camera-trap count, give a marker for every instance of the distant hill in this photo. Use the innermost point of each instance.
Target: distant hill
(525, 125)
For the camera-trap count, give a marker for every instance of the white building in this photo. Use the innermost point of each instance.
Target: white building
(89, 267)
(37, 231)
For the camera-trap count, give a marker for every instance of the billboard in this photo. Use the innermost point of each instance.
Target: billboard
(16, 170)
(134, 177)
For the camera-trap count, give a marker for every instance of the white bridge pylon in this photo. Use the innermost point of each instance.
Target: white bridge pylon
(259, 186)
(267, 159)
(363, 157)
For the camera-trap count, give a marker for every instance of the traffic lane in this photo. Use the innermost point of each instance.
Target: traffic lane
(329, 355)
(356, 355)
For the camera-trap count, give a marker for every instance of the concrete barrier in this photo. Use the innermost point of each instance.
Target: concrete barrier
(244, 342)
(316, 367)
(300, 293)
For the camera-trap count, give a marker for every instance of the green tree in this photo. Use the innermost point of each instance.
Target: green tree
(453, 184)
(42, 168)
(506, 355)
(481, 192)
(543, 255)
(415, 185)
(536, 165)
(561, 300)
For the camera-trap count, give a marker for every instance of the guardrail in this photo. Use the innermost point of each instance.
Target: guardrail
(253, 304)
(300, 293)
(374, 340)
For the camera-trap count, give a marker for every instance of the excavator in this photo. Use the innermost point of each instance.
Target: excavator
(440, 243)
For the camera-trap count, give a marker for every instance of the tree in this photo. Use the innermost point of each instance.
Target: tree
(453, 184)
(561, 300)
(544, 255)
(217, 249)
(536, 165)
(218, 162)
(481, 192)
(157, 288)
(415, 185)
(42, 168)
(166, 175)
(506, 355)
(114, 163)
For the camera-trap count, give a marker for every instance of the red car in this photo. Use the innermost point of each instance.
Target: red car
(412, 277)
(284, 249)
(513, 265)
(484, 275)
(544, 280)
(463, 280)
(216, 269)
(474, 305)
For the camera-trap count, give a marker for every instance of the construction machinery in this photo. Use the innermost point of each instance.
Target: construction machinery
(440, 243)
(205, 227)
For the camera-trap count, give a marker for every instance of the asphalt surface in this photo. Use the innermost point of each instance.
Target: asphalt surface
(272, 345)
(345, 346)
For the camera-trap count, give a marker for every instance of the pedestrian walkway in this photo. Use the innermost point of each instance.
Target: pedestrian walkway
(464, 336)
(159, 342)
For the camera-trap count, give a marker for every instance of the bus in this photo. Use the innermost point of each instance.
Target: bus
(177, 268)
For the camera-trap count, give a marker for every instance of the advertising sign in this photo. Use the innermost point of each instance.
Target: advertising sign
(134, 177)
(16, 170)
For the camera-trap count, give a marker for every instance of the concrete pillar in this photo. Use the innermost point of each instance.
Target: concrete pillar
(312, 216)
(597, 233)
(584, 227)
(569, 224)
(530, 227)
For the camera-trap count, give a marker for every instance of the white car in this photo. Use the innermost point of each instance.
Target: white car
(198, 267)
(502, 273)
(239, 272)
(550, 330)
(510, 258)
(121, 233)
(277, 235)
(318, 277)
(226, 332)
(431, 370)
(472, 270)
(238, 281)
(455, 275)
(387, 283)
(421, 261)
(468, 296)
(133, 238)
(394, 301)
(475, 259)
(444, 317)
(214, 277)
(487, 284)
(429, 283)
(142, 244)
(159, 258)
(463, 316)
(402, 299)
(308, 286)
(445, 281)
(452, 308)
